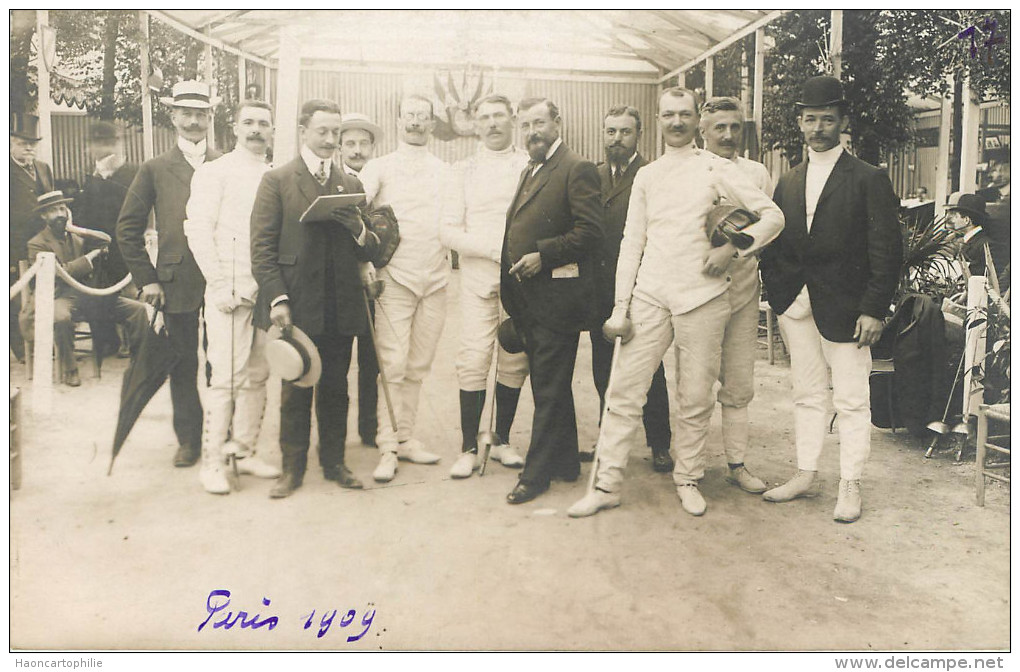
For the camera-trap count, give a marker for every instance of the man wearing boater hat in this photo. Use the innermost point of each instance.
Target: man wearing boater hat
(175, 283)
(218, 228)
(70, 305)
(30, 179)
(358, 137)
(830, 277)
(309, 283)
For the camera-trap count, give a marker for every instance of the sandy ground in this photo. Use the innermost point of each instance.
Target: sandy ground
(128, 561)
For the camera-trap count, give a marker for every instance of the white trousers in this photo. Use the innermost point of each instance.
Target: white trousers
(479, 319)
(236, 353)
(697, 337)
(810, 354)
(407, 329)
(740, 344)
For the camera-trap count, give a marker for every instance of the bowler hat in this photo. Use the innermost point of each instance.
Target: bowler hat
(358, 120)
(969, 204)
(25, 126)
(191, 94)
(821, 91)
(510, 339)
(50, 198)
(293, 356)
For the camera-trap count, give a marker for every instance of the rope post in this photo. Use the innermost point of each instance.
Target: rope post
(974, 354)
(42, 384)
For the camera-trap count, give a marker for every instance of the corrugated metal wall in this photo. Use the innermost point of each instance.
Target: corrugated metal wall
(70, 145)
(581, 104)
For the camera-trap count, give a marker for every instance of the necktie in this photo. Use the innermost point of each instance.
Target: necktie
(615, 176)
(321, 174)
(29, 168)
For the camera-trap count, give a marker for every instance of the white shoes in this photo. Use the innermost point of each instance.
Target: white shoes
(213, 477)
(465, 465)
(414, 451)
(254, 465)
(387, 468)
(593, 502)
(691, 499)
(746, 481)
(848, 503)
(798, 486)
(506, 455)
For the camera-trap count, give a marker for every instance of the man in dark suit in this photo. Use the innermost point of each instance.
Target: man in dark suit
(29, 180)
(307, 274)
(621, 131)
(830, 277)
(71, 305)
(163, 185)
(548, 269)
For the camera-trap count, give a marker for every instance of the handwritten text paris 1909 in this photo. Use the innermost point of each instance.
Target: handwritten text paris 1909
(218, 601)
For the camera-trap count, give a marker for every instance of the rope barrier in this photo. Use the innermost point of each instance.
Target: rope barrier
(24, 280)
(85, 289)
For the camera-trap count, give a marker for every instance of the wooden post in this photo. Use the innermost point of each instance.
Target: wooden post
(44, 150)
(287, 92)
(147, 147)
(758, 88)
(709, 77)
(42, 371)
(942, 156)
(969, 141)
(242, 78)
(836, 42)
(681, 79)
(210, 79)
(974, 354)
(267, 81)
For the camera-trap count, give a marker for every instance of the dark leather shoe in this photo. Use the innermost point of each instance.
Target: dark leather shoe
(186, 456)
(525, 492)
(566, 476)
(71, 378)
(343, 477)
(285, 485)
(661, 461)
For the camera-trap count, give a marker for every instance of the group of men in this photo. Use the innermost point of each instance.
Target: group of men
(643, 255)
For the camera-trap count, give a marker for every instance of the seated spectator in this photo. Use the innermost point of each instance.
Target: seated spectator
(71, 305)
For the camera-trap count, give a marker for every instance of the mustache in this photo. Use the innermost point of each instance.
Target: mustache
(255, 136)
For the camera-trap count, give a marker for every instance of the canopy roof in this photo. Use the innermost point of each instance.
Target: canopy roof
(644, 43)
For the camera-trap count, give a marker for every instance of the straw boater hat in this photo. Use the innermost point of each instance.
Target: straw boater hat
(50, 198)
(191, 94)
(358, 120)
(293, 358)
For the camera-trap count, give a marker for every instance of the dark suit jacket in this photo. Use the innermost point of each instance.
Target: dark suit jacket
(558, 214)
(615, 199)
(162, 184)
(288, 257)
(70, 255)
(851, 258)
(97, 206)
(24, 222)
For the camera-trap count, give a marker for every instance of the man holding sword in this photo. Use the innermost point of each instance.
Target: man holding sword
(218, 227)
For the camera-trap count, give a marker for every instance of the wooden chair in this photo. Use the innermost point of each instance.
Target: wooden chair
(770, 329)
(999, 443)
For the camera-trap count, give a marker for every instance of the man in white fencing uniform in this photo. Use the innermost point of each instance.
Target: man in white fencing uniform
(411, 311)
(722, 125)
(672, 288)
(481, 188)
(218, 227)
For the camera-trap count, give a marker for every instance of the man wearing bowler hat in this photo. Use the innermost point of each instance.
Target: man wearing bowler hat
(308, 278)
(358, 137)
(163, 186)
(29, 179)
(966, 215)
(830, 277)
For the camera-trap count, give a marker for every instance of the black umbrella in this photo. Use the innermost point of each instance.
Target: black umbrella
(147, 372)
